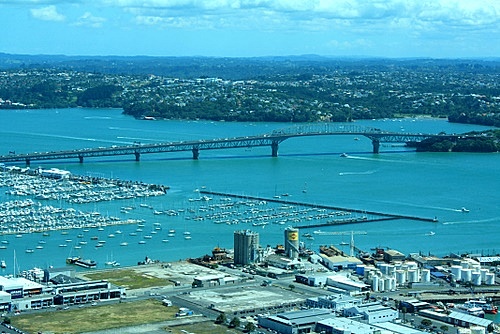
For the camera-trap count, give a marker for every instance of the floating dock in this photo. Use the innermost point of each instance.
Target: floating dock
(378, 216)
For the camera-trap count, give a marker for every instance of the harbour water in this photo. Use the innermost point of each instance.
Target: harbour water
(310, 170)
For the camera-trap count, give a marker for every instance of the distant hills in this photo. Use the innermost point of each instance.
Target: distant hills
(236, 68)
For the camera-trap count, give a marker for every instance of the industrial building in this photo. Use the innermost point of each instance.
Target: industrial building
(246, 247)
(295, 322)
(337, 302)
(371, 313)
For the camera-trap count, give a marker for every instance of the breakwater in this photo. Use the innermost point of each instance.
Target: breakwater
(363, 217)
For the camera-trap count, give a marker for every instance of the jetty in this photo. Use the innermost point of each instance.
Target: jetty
(364, 216)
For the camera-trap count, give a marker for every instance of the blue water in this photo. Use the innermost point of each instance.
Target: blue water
(397, 180)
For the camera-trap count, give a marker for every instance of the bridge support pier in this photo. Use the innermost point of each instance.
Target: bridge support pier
(274, 149)
(137, 156)
(196, 153)
(28, 161)
(376, 146)
(80, 158)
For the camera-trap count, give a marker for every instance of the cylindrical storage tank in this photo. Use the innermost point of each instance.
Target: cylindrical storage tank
(391, 270)
(383, 268)
(292, 242)
(400, 276)
(490, 279)
(476, 267)
(360, 269)
(466, 275)
(381, 285)
(483, 274)
(398, 265)
(456, 271)
(425, 275)
(375, 281)
(476, 278)
(387, 284)
(412, 265)
(465, 265)
(412, 276)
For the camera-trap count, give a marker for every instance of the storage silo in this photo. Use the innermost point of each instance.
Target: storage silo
(383, 268)
(476, 278)
(425, 275)
(456, 271)
(388, 283)
(381, 285)
(375, 281)
(490, 279)
(483, 274)
(292, 242)
(391, 269)
(412, 276)
(400, 277)
(466, 275)
(412, 265)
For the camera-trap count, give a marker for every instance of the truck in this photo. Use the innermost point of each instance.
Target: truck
(183, 312)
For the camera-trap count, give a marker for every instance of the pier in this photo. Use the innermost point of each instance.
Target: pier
(364, 218)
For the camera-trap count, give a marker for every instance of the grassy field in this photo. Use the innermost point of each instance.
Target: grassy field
(128, 278)
(94, 318)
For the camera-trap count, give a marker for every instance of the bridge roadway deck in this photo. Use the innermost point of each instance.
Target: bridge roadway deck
(272, 140)
(382, 216)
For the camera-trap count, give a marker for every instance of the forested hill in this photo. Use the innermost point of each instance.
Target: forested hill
(296, 89)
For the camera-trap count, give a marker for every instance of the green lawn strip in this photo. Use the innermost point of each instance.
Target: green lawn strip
(94, 318)
(128, 278)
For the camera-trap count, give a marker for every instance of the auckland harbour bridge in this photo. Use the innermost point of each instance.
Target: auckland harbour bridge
(271, 140)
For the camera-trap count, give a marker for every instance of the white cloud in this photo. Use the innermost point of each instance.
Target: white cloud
(89, 20)
(288, 13)
(48, 13)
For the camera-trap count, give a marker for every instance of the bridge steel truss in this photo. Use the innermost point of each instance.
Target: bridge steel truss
(272, 140)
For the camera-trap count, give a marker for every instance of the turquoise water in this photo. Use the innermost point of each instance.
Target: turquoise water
(395, 181)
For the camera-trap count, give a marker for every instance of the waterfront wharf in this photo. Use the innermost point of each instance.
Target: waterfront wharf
(382, 216)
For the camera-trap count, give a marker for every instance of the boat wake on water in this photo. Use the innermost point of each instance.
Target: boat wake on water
(369, 172)
(489, 220)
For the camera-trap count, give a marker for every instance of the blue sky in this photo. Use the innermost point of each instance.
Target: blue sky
(247, 28)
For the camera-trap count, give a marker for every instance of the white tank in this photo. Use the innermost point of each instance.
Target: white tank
(391, 269)
(412, 276)
(476, 278)
(490, 279)
(425, 276)
(483, 274)
(375, 281)
(388, 284)
(400, 277)
(381, 285)
(466, 275)
(383, 268)
(456, 271)
(465, 265)
(412, 265)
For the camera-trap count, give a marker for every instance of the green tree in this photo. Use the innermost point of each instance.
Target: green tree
(221, 319)
(249, 327)
(444, 328)
(235, 322)
(426, 322)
